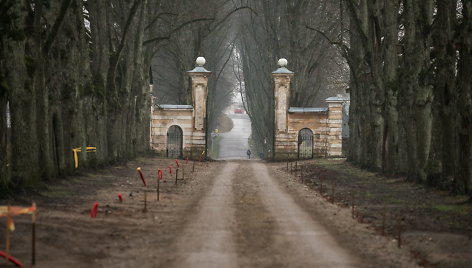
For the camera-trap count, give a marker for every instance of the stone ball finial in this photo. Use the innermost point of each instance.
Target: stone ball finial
(200, 61)
(282, 62)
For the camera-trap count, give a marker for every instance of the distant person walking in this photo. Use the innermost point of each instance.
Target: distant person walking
(248, 154)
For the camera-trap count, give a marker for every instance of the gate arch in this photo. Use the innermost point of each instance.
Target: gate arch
(305, 144)
(174, 142)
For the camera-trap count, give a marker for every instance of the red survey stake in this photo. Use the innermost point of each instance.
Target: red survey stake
(141, 175)
(11, 259)
(93, 212)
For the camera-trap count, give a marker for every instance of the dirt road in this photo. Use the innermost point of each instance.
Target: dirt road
(297, 240)
(226, 214)
(305, 241)
(208, 240)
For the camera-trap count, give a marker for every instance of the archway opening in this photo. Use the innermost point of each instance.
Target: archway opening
(305, 144)
(174, 142)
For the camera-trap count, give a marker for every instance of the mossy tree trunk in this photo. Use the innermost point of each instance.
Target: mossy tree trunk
(417, 54)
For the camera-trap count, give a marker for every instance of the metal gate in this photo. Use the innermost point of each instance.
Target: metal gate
(174, 142)
(305, 144)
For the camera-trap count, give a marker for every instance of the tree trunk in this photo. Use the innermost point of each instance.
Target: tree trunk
(25, 170)
(464, 91)
(418, 92)
(390, 154)
(4, 161)
(442, 156)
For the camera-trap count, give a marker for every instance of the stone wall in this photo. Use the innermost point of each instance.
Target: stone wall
(287, 141)
(326, 125)
(162, 120)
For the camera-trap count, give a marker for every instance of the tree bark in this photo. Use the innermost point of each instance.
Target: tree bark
(464, 81)
(25, 170)
(417, 89)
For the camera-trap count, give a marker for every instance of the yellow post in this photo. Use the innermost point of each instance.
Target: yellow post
(76, 156)
(91, 149)
(88, 149)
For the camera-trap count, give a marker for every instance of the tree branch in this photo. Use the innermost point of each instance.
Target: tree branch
(178, 28)
(339, 44)
(157, 17)
(133, 11)
(231, 13)
(168, 36)
(57, 25)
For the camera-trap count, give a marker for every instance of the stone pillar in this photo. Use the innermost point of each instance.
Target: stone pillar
(335, 126)
(199, 77)
(282, 142)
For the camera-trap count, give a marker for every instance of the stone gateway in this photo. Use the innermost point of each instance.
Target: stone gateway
(180, 130)
(294, 125)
